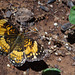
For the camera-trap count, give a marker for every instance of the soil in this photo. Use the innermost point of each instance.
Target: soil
(65, 60)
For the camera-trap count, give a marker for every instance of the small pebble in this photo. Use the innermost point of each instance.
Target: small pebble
(66, 44)
(40, 72)
(69, 53)
(47, 38)
(51, 6)
(50, 1)
(56, 66)
(73, 64)
(50, 38)
(50, 51)
(55, 24)
(8, 65)
(56, 53)
(43, 36)
(59, 59)
(24, 73)
(55, 36)
(55, 46)
(46, 33)
(63, 18)
(69, 48)
(73, 58)
(44, 8)
(65, 26)
(39, 2)
(65, 36)
(8, 13)
(59, 0)
(49, 43)
(70, 3)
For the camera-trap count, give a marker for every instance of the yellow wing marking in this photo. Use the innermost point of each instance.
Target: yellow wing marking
(2, 31)
(17, 56)
(3, 42)
(33, 49)
(2, 21)
(27, 42)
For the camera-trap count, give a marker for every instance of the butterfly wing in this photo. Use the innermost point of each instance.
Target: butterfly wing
(33, 50)
(8, 35)
(17, 56)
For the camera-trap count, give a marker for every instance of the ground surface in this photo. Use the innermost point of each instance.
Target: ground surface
(61, 58)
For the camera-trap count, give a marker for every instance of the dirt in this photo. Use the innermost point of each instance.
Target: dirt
(57, 14)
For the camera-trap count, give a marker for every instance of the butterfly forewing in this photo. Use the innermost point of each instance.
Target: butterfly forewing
(8, 35)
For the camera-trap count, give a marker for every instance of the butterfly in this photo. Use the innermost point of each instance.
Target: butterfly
(17, 46)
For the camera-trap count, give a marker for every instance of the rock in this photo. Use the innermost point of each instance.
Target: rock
(55, 24)
(70, 3)
(59, 53)
(69, 53)
(24, 73)
(8, 65)
(59, 59)
(23, 15)
(49, 43)
(56, 53)
(73, 64)
(46, 33)
(44, 8)
(51, 6)
(55, 36)
(8, 13)
(73, 58)
(50, 1)
(56, 66)
(65, 26)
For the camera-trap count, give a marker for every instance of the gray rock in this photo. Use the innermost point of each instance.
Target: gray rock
(8, 13)
(44, 8)
(50, 1)
(23, 15)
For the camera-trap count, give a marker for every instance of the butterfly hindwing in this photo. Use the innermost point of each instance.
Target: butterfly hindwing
(17, 56)
(33, 50)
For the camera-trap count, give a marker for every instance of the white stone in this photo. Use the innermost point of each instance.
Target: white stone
(24, 73)
(43, 36)
(8, 65)
(49, 43)
(59, 59)
(66, 44)
(50, 38)
(67, 47)
(51, 6)
(46, 33)
(56, 53)
(65, 36)
(55, 46)
(55, 24)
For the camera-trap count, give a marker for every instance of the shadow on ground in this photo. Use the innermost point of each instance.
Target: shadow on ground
(36, 66)
(71, 38)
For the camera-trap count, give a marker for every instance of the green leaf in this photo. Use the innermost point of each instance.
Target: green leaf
(51, 71)
(72, 15)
